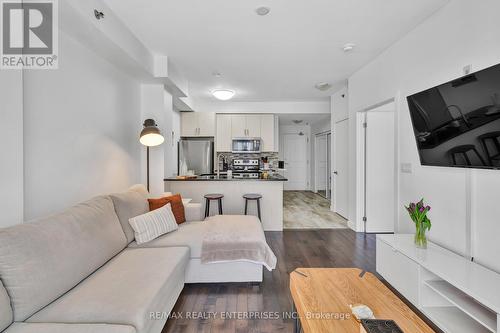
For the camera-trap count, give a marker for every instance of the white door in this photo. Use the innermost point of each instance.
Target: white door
(206, 123)
(238, 126)
(295, 157)
(380, 171)
(321, 163)
(267, 132)
(189, 124)
(223, 137)
(341, 167)
(253, 125)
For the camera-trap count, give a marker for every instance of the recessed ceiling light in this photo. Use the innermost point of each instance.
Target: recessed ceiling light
(349, 47)
(323, 86)
(223, 94)
(262, 11)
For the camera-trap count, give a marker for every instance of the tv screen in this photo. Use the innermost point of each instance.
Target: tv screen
(457, 124)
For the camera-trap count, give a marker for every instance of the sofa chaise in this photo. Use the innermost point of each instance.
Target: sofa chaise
(80, 271)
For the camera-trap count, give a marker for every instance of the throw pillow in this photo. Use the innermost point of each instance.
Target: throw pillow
(177, 206)
(153, 224)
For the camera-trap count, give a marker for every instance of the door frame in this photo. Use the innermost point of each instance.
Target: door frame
(328, 172)
(360, 161)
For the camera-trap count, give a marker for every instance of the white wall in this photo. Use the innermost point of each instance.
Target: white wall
(264, 107)
(81, 126)
(11, 147)
(463, 32)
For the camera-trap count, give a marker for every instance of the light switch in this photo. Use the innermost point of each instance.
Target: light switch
(406, 168)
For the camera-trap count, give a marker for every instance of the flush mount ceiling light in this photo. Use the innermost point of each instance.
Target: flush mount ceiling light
(223, 94)
(323, 86)
(262, 11)
(349, 47)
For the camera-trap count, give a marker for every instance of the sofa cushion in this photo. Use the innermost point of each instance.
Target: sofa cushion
(175, 202)
(189, 234)
(68, 328)
(5, 309)
(125, 291)
(131, 203)
(43, 259)
(153, 224)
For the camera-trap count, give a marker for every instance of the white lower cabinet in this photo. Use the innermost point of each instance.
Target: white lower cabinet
(400, 271)
(458, 295)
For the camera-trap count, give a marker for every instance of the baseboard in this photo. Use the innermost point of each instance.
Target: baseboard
(352, 226)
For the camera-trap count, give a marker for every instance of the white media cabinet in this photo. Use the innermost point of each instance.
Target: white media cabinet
(458, 295)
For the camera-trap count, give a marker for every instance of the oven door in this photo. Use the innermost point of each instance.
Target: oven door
(245, 145)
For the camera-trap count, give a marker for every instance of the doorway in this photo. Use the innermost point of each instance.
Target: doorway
(323, 164)
(378, 152)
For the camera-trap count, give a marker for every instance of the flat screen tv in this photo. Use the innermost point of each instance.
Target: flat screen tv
(457, 124)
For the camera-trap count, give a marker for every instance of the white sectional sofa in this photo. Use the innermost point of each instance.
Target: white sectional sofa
(80, 271)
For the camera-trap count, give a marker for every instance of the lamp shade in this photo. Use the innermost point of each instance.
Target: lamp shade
(150, 135)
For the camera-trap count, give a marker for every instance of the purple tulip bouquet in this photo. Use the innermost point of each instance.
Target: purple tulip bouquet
(418, 213)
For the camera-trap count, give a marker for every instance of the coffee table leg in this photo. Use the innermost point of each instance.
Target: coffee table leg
(296, 320)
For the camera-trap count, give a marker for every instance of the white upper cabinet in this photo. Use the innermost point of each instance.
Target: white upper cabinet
(206, 124)
(197, 124)
(189, 124)
(224, 135)
(238, 126)
(253, 125)
(263, 126)
(267, 132)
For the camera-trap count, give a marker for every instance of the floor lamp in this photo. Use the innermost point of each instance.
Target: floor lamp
(150, 137)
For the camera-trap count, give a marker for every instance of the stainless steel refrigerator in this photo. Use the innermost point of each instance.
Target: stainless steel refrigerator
(196, 154)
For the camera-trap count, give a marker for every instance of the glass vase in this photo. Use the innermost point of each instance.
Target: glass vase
(420, 239)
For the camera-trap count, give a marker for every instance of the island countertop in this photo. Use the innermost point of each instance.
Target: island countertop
(273, 178)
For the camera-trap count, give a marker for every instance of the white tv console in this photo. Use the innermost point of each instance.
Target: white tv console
(458, 295)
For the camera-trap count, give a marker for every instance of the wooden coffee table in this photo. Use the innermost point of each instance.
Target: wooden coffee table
(322, 296)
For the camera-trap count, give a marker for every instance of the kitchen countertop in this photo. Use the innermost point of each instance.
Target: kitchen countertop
(273, 178)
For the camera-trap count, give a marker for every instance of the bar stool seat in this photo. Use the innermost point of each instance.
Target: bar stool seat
(210, 197)
(254, 197)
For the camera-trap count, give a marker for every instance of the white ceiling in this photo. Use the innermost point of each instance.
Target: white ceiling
(280, 56)
(307, 118)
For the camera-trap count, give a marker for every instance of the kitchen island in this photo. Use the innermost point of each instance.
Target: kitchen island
(233, 190)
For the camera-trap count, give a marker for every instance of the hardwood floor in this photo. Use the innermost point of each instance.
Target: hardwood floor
(304, 248)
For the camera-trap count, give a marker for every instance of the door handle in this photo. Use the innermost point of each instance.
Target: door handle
(335, 173)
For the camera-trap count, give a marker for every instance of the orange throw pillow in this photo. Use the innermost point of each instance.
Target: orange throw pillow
(176, 204)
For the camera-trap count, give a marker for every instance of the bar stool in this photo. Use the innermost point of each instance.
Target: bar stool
(252, 196)
(494, 138)
(210, 197)
(462, 151)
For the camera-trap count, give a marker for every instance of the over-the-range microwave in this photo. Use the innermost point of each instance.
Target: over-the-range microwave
(246, 145)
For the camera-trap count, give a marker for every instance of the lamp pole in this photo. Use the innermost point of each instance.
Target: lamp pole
(147, 162)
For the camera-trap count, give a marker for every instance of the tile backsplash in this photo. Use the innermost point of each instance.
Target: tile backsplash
(271, 156)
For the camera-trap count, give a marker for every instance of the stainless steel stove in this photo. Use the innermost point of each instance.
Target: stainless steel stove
(246, 168)
(248, 175)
